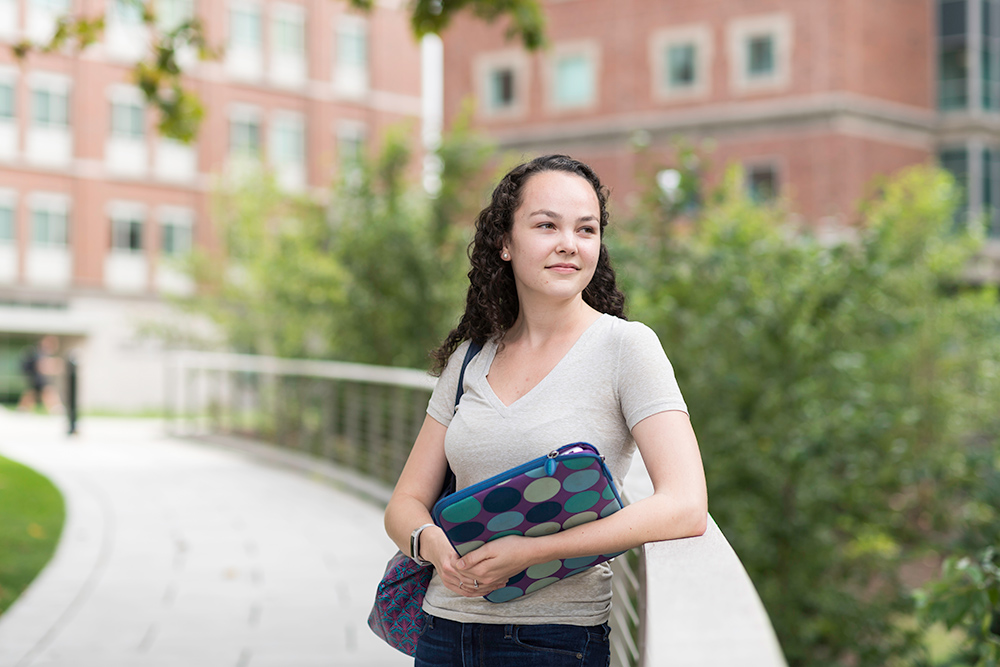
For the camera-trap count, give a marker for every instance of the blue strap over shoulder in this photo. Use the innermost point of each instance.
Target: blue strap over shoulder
(473, 350)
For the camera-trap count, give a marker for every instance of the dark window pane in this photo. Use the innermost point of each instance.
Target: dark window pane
(762, 183)
(761, 55)
(952, 17)
(952, 84)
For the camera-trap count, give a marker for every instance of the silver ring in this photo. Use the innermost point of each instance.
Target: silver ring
(461, 585)
(476, 582)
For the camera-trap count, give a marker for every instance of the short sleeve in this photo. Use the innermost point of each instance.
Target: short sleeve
(646, 382)
(441, 407)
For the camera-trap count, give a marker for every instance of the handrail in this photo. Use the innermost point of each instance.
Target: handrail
(683, 603)
(700, 600)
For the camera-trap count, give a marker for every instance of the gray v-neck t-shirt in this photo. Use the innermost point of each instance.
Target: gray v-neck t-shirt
(614, 376)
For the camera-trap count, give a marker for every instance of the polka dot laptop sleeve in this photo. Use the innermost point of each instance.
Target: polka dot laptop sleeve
(568, 487)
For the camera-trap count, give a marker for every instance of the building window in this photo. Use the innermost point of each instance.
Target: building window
(126, 233)
(6, 220)
(126, 12)
(952, 55)
(351, 53)
(172, 13)
(762, 182)
(127, 120)
(49, 107)
(7, 105)
(51, 6)
(49, 225)
(760, 50)
(680, 66)
(175, 236)
(244, 28)
(289, 33)
(351, 139)
(574, 80)
(501, 83)
(501, 87)
(680, 61)
(760, 56)
(244, 135)
(965, 161)
(288, 140)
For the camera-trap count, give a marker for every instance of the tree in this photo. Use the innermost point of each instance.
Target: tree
(376, 275)
(839, 390)
(160, 76)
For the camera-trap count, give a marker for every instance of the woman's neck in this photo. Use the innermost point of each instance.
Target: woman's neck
(537, 324)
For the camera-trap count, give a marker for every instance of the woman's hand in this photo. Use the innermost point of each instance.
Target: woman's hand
(453, 570)
(494, 563)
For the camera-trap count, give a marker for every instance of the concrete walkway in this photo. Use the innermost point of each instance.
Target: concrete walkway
(177, 554)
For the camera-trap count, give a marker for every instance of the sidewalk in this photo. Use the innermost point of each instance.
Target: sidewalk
(176, 554)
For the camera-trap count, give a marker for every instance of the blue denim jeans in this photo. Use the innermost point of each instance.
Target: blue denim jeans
(446, 643)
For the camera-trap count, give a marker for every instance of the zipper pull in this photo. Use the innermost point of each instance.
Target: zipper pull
(551, 463)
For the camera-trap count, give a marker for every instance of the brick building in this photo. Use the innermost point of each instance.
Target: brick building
(813, 97)
(94, 203)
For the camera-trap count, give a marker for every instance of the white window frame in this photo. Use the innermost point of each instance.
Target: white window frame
(181, 11)
(283, 12)
(351, 79)
(9, 15)
(290, 170)
(483, 68)
(244, 60)
(54, 85)
(697, 35)
(245, 114)
(124, 13)
(8, 77)
(591, 52)
(280, 122)
(740, 31)
(126, 213)
(40, 22)
(53, 204)
(175, 217)
(249, 8)
(126, 96)
(287, 68)
(8, 201)
(353, 132)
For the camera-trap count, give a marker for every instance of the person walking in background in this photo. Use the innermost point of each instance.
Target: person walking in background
(41, 368)
(559, 364)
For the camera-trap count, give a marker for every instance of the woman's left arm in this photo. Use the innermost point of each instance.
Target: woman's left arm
(677, 508)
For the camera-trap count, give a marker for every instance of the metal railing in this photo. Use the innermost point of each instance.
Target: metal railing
(682, 602)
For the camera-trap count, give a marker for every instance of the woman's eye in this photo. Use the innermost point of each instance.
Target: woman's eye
(588, 230)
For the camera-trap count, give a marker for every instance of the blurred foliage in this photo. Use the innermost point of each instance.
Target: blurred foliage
(844, 392)
(968, 597)
(375, 275)
(159, 73)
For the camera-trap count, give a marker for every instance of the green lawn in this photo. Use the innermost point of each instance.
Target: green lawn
(31, 518)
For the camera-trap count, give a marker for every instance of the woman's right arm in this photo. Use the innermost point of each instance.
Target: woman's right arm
(417, 490)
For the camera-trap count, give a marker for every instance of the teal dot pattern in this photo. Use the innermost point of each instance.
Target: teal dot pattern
(572, 488)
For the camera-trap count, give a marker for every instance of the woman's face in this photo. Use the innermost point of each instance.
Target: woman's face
(555, 238)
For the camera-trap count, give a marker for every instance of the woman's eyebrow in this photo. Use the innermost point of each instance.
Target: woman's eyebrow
(552, 214)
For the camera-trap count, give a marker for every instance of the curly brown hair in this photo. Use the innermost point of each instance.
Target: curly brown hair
(491, 304)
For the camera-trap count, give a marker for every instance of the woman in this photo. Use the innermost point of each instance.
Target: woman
(558, 365)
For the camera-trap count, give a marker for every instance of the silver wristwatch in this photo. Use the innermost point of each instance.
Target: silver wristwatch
(415, 545)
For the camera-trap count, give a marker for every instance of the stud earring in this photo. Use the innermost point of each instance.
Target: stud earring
(505, 256)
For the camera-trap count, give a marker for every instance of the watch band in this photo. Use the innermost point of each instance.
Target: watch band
(415, 545)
